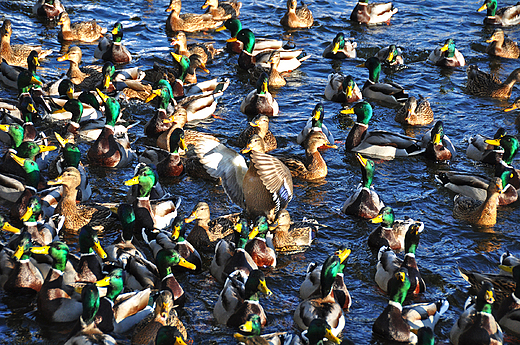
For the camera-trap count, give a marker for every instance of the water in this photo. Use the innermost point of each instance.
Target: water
(407, 185)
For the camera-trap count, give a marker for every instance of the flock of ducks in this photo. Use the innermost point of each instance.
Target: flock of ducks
(130, 287)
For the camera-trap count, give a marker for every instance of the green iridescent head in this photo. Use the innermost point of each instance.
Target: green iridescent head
(398, 286)
(58, 251)
(374, 68)
(233, 25)
(117, 32)
(386, 217)
(247, 37)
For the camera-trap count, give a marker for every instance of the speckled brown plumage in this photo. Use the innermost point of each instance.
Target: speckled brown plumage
(261, 128)
(291, 237)
(415, 112)
(205, 50)
(297, 17)
(88, 31)
(500, 45)
(487, 85)
(477, 212)
(222, 10)
(189, 22)
(86, 78)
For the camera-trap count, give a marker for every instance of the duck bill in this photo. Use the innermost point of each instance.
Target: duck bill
(437, 139)
(18, 253)
(60, 139)
(494, 142)
(58, 111)
(254, 124)
(182, 145)
(335, 48)
(36, 81)
(9, 228)
(177, 57)
(57, 180)
(401, 276)
(361, 65)
(221, 28)
(179, 341)
(505, 268)
(114, 31)
(102, 95)
(28, 213)
(511, 108)
(363, 161)
(489, 297)
(206, 4)
(232, 39)
(169, 120)
(70, 93)
(378, 219)
(40, 250)
(444, 48)
(262, 287)
(99, 250)
(254, 233)
(191, 217)
(240, 337)
(103, 282)
(154, 94)
(170, 8)
(347, 111)
(133, 181)
(204, 68)
(390, 57)
(482, 8)
(186, 264)
(106, 82)
(343, 254)
(4, 128)
(246, 149)
(265, 86)
(176, 232)
(247, 327)
(45, 148)
(317, 115)
(63, 57)
(238, 227)
(175, 42)
(329, 146)
(332, 337)
(18, 160)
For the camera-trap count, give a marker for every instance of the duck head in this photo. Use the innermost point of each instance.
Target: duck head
(113, 282)
(66, 88)
(490, 6)
(70, 151)
(167, 258)
(164, 91)
(33, 210)
(107, 72)
(510, 145)
(16, 133)
(363, 111)
(255, 285)
(58, 251)
(112, 108)
(386, 217)
(485, 298)
(319, 329)
(233, 25)
(252, 328)
(449, 48)
(90, 302)
(338, 42)
(177, 141)
(146, 178)
(23, 251)
(4, 225)
(32, 171)
(374, 68)
(29, 149)
(247, 37)
(184, 63)
(178, 230)
(89, 242)
(260, 228)
(167, 335)
(398, 286)
(367, 170)
(117, 32)
(411, 239)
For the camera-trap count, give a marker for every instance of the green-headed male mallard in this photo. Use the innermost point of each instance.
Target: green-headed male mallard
(50, 9)
(315, 123)
(390, 56)
(166, 259)
(258, 247)
(89, 266)
(437, 146)
(22, 78)
(234, 26)
(505, 16)
(340, 48)
(447, 55)
(297, 17)
(260, 100)
(114, 50)
(342, 89)
(375, 13)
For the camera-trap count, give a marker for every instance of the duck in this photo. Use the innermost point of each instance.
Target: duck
(22, 78)
(276, 79)
(17, 190)
(297, 17)
(479, 150)
(447, 55)
(508, 309)
(378, 144)
(121, 312)
(108, 151)
(166, 334)
(206, 51)
(511, 146)
(156, 125)
(50, 9)
(85, 78)
(390, 56)
(89, 333)
(260, 249)
(415, 112)
(189, 22)
(239, 298)
(207, 232)
(477, 212)
(482, 305)
(340, 48)
(89, 266)
(487, 85)
(16, 133)
(27, 150)
(370, 14)
(146, 331)
(313, 166)
(222, 9)
(437, 146)
(342, 89)
(259, 125)
(56, 301)
(395, 323)
(391, 233)
(166, 259)
(169, 163)
(76, 216)
(17, 54)
(260, 101)
(322, 304)
(315, 123)
(292, 237)
(501, 45)
(81, 31)
(364, 202)
(312, 284)
(389, 93)
(234, 26)
(113, 51)
(504, 16)
(195, 61)
(388, 263)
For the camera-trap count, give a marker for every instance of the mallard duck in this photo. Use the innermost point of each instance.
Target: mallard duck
(167, 334)
(49, 9)
(85, 78)
(396, 322)
(297, 17)
(508, 311)
(26, 150)
(479, 150)
(195, 61)
(389, 93)
(114, 50)
(447, 55)
(511, 146)
(377, 144)
(311, 286)
(501, 45)
(375, 13)
(275, 77)
(415, 112)
(505, 16)
(234, 26)
(13, 188)
(21, 78)
(364, 202)
(313, 166)
(438, 147)
(166, 259)
(323, 305)
(340, 48)
(56, 301)
(390, 56)
(290, 237)
(208, 232)
(342, 89)
(89, 334)
(391, 233)
(76, 216)
(260, 101)
(89, 266)
(484, 84)
(388, 263)
(167, 163)
(478, 212)
(81, 31)
(221, 10)
(189, 22)
(258, 247)
(239, 298)
(17, 54)
(206, 51)
(259, 126)
(481, 305)
(120, 312)
(107, 151)
(315, 123)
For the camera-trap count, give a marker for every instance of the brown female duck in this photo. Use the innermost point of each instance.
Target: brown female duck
(81, 31)
(222, 10)
(297, 17)
(487, 85)
(189, 22)
(415, 112)
(260, 126)
(275, 78)
(290, 237)
(478, 212)
(501, 45)
(206, 51)
(86, 78)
